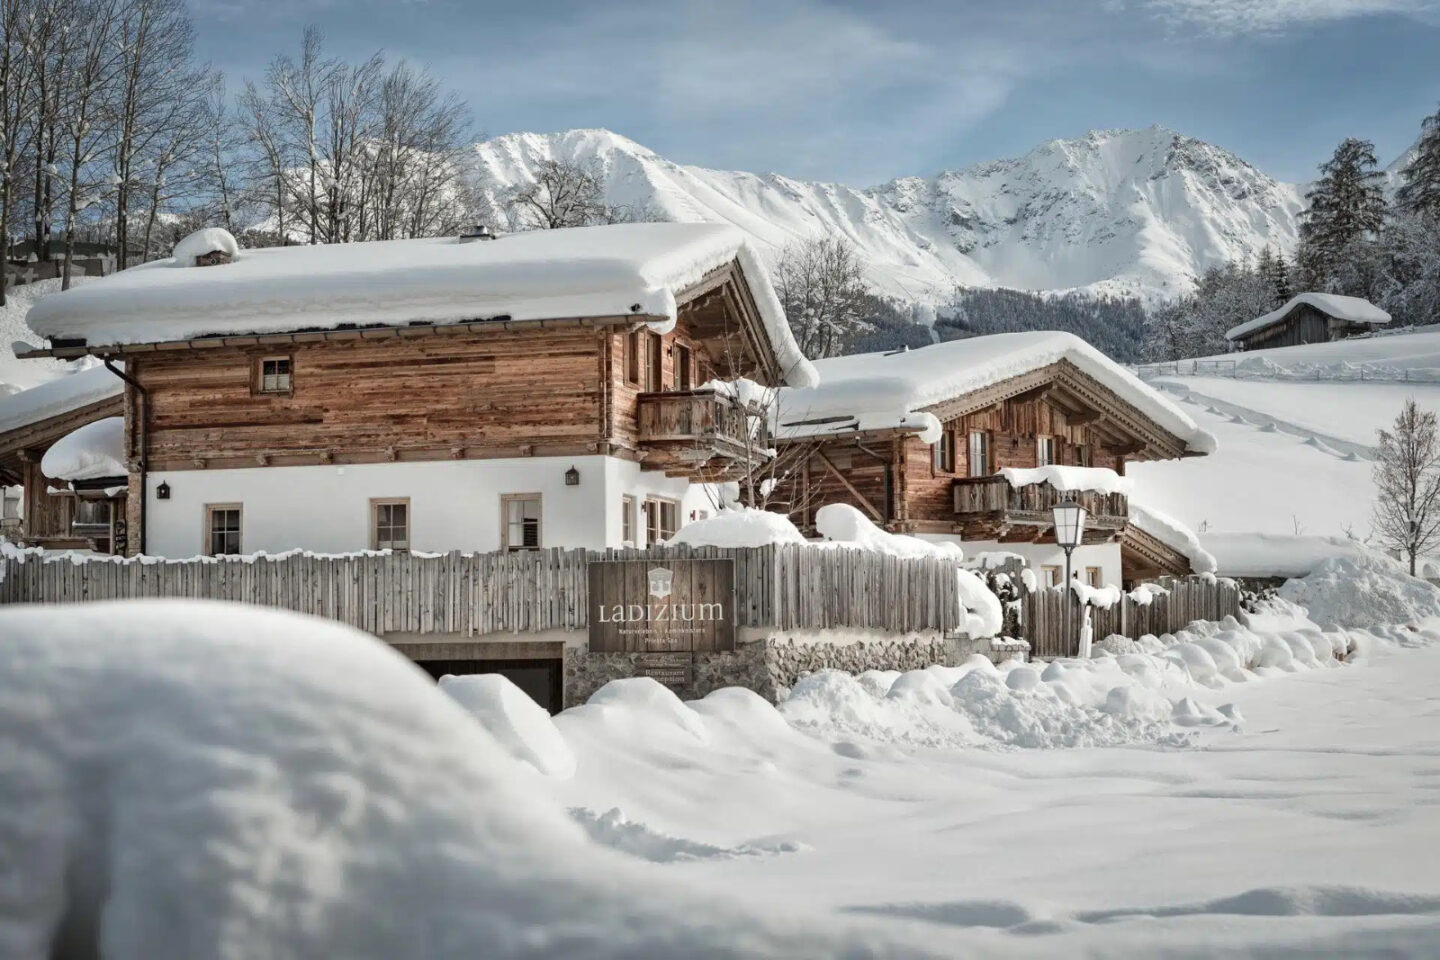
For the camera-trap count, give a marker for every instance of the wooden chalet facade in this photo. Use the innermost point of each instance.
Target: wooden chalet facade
(1055, 413)
(1309, 318)
(594, 429)
(37, 510)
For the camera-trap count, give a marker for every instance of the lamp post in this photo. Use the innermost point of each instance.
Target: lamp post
(1069, 529)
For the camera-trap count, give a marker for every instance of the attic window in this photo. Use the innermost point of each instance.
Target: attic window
(272, 375)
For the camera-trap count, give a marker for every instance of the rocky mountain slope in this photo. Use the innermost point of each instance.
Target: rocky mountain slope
(1120, 211)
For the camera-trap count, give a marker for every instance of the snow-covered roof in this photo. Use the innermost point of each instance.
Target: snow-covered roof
(1174, 535)
(892, 390)
(61, 395)
(1353, 309)
(91, 452)
(1070, 479)
(615, 270)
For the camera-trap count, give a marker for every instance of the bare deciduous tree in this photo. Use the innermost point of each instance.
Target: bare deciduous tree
(1407, 485)
(564, 194)
(824, 295)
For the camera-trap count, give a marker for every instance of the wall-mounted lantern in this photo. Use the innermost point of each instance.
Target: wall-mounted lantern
(162, 492)
(572, 477)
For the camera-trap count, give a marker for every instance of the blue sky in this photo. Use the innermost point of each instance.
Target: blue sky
(862, 92)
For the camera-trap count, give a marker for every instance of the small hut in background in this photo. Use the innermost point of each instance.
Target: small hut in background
(1309, 318)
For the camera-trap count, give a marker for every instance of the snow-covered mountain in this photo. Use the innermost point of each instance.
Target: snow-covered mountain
(1122, 211)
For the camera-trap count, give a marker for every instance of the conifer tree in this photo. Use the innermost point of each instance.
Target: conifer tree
(1346, 204)
(1420, 192)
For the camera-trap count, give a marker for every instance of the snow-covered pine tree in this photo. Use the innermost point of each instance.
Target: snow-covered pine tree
(1407, 485)
(1346, 204)
(1420, 192)
(1273, 269)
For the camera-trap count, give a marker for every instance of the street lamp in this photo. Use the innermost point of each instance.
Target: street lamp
(1069, 529)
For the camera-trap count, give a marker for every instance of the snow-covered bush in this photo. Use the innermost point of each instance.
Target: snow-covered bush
(1361, 590)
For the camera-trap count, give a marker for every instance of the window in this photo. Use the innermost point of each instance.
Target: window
(390, 524)
(627, 520)
(662, 519)
(521, 515)
(655, 364)
(1087, 458)
(979, 459)
(1092, 576)
(634, 343)
(91, 513)
(272, 375)
(682, 368)
(943, 453)
(222, 528)
(1050, 575)
(1044, 451)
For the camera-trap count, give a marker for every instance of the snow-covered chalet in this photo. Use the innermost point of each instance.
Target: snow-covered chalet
(478, 393)
(975, 441)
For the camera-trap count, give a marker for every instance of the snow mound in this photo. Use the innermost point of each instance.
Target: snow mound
(186, 779)
(92, 452)
(615, 830)
(202, 242)
(845, 524)
(985, 616)
(739, 527)
(517, 723)
(1362, 590)
(645, 701)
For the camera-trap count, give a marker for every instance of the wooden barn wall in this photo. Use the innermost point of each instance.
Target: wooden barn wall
(622, 415)
(864, 472)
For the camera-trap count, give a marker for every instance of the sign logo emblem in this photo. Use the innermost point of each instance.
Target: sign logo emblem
(661, 582)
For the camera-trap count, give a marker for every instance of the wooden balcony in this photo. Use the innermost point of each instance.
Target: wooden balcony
(989, 508)
(702, 434)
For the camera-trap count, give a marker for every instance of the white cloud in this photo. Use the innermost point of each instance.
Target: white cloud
(1273, 16)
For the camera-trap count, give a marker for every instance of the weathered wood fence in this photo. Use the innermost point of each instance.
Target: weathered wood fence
(792, 587)
(1188, 599)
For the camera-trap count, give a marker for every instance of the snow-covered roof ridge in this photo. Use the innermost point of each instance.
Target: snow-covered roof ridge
(1174, 534)
(61, 395)
(1354, 309)
(92, 452)
(895, 389)
(613, 270)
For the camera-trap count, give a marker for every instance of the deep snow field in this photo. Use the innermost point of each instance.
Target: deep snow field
(182, 780)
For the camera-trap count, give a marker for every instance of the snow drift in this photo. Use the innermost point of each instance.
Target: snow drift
(185, 780)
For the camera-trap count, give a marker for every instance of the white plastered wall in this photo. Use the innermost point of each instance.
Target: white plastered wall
(454, 504)
(1106, 556)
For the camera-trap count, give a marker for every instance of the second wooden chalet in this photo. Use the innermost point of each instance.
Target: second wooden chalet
(461, 393)
(976, 440)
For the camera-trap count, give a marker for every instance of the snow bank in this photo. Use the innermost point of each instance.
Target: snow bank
(210, 780)
(986, 618)
(845, 524)
(739, 527)
(879, 390)
(1353, 309)
(1070, 479)
(1363, 589)
(617, 270)
(92, 452)
(1173, 534)
(1275, 555)
(517, 723)
(63, 394)
(201, 242)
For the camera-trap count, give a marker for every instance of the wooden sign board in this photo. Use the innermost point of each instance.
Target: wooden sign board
(662, 606)
(671, 669)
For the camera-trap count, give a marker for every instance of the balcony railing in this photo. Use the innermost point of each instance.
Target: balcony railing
(697, 425)
(993, 497)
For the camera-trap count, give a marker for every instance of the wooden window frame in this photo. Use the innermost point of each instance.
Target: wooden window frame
(632, 347)
(627, 519)
(257, 375)
(1059, 576)
(660, 504)
(1095, 576)
(942, 455)
(375, 504)
(508, 498)
(1041, 441)
(984, 470)
(207, 532)
(684, 367)
(654, 372)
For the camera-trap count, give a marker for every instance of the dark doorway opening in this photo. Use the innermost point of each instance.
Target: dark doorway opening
(543, 680)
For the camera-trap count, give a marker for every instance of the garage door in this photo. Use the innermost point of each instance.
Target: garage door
(541, 679)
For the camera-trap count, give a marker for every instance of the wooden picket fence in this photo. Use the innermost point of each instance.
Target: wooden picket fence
(1188, 599)
(792, 587)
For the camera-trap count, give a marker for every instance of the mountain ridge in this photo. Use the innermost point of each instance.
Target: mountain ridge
(1123, 212)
